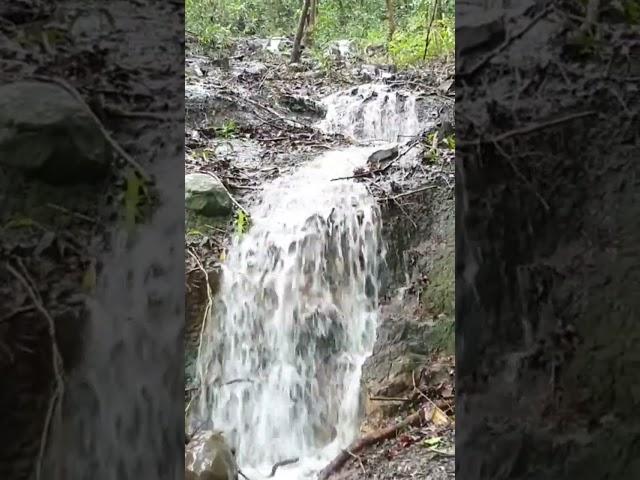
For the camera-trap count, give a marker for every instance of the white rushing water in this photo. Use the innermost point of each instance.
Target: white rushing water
(281, 359)
(297, 317)
(370, 113)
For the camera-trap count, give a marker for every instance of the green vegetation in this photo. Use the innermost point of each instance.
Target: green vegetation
(393, 30)
(242, 222)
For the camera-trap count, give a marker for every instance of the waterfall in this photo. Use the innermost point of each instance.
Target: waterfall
(281, 358)
(370, 113)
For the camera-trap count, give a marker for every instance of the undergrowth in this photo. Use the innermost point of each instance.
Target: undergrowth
(216, 23)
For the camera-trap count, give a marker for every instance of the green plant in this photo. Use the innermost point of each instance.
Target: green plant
(242, 222)
(451, 142)
(228, 129)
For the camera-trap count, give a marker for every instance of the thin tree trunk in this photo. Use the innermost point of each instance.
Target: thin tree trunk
(433, 17)
(295, 54)
(312, 16)
(391, 17)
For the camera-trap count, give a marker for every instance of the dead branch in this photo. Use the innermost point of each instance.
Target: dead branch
(527, 129)
(412, 192)
(282, 463)
(367, 441)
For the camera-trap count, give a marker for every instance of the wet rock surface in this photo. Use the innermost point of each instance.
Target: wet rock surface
(209, 457)
(47, 132)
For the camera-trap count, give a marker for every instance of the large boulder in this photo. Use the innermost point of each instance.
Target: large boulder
(46, 131)
(209, 457)
(206, 195)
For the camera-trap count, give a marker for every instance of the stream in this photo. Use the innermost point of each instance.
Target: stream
(281, 360)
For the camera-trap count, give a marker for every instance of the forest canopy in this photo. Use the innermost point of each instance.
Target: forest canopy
(411, 31)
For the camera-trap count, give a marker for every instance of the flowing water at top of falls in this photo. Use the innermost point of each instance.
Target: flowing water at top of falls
(370, 113)
(281, 359)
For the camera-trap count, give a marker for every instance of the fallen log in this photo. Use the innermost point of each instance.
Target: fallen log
(369, 440)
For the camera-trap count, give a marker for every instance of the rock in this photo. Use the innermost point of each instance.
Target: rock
(341, 49)
(379, 157)
(484, 30)
(250, 69)
(47, 132)
(205, 195)
(278, 45)
(303, 104)
(208, 456)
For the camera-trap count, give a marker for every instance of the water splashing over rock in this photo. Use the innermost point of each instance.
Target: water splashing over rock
(372, 112)
(281, 362)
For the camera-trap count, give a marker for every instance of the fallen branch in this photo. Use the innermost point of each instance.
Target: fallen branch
(282, 463)
(527, 129)
(412, 192)
(208, 308)
(367, 441)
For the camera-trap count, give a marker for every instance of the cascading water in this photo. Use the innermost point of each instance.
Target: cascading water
(371, 113)
(280, 363)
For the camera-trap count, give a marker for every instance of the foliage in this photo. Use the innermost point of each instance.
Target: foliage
(242, 222)
(216, 22)
(228, 129)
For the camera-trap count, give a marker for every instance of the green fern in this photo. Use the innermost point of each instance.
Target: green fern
(242, 222)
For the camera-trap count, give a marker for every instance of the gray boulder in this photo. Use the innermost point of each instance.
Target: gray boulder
(206, 196)
(208, 456)
(47, 132)
(380, 157)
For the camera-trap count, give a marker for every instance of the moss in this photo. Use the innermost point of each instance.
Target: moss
(199, 226)
(438, 297)
(442, 336)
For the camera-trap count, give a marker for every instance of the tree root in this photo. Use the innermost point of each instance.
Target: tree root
(367, 441)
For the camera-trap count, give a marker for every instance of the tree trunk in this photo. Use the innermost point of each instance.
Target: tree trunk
(391, 17)
(295, 54)
(311, 23)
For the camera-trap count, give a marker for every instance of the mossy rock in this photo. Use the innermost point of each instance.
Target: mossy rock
(206, 196)
(438, 297)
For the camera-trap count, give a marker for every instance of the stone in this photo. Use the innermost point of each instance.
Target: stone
(250, 70)
(341, 49)
(379, 157)
(208, 456)
(45, 131)
(206, 196)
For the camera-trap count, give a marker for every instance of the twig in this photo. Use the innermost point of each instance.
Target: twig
(368, 440)
(118, 112)
(235, 202)
(209, 306)
(527, 129)
(357, 457)
(389, 399)
(72, 213)
(56, 358)
(282, 463)
(412, 192)
(107, 136)
(243, 475)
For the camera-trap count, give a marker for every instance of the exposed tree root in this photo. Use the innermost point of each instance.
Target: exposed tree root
(369, 440)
